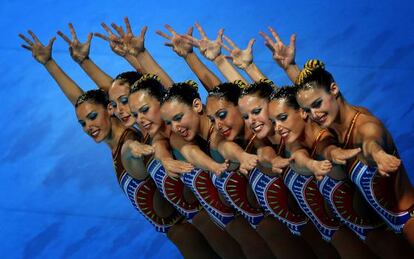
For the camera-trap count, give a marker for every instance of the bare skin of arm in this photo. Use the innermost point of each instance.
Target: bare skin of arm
(124, 47)
(212, 51)
(80, 54)
(304, 163)
(131, 153)
(231, 151)
(43, 54)
(173, 167)
(327, 149)
(243, 59)
(282, 54)
(194, 155)
(183, 47)
(267, 156)
(135, 52)
(371, 136)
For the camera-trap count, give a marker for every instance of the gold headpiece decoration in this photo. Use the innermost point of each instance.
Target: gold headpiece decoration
(266, 81)
(144, 78)
(192, 84)
(310, 66)
(240, 84)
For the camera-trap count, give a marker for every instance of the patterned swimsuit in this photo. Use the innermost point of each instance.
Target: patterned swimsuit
(377, 190)
(172, 189)
(141, 192)
(305, 191)
(273, 196)
(234, 187)
(201, 184)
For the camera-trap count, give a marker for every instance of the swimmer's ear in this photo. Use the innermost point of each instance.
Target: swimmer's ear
(197, 105)
(303, 114)
(334, 89)
(110, 109)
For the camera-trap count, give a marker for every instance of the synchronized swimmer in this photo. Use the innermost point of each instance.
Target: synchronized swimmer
(257, 170)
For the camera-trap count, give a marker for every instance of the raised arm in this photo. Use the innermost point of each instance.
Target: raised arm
(282, 54)
(243, 59)
(136, 53)
(43, 54)
(80, 54)
(183, 47)
(122, 46)
(211, 49)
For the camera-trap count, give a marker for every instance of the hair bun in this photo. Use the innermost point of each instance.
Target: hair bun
(266, 81)
(314, 64)
(240, 84)
(144, 78)
(192, 84)
(308, 69)
(149, 76)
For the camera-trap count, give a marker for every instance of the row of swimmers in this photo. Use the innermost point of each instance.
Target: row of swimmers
(258, 171)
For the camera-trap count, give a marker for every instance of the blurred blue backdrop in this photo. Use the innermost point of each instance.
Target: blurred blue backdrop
(59, 195)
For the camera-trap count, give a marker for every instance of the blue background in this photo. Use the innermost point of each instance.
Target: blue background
(58, 193)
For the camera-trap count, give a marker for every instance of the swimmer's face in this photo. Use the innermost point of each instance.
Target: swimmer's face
(95, 120)
(225, 116)
(320, 105)
(146, 111)
(288, 122)
(253, 110)
(184, 119)
(118, 97)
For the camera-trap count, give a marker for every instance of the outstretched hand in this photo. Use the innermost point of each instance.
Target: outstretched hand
(210, 49)
(125, 43)
(78, 51)
(320, 168)
(180, 44)
(175, 167)
(138, 149)
(386, 163)
(247, 163)
(240, 58)
(41, 53)
(339, 155)
(282, 54)
(279, 163)
(218, 169)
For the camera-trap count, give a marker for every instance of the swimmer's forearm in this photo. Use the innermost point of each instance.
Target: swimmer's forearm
(203, 73)
(101, 79)
(151, 66)
(71, 90)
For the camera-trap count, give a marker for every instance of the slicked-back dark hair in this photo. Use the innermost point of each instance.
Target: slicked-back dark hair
(95, 96)
(129, 77)
(151, 85)
(185, 92)
(227, 91)
(314, 75)
(262, 89)
(287, 93)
